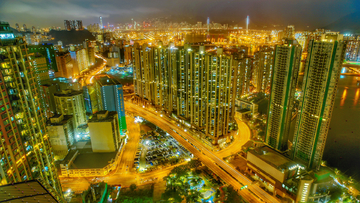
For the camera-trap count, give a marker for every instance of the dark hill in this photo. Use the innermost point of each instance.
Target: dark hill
(349, 23)
(70, 37)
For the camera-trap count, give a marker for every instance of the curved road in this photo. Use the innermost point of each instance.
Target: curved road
(212, 160)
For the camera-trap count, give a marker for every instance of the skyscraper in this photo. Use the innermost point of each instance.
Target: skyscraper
(25, 139)
(208, 24)
(284, 80)
(67, 25)
(247, 24)
(101, 23)
(322, 71)
(111, 95)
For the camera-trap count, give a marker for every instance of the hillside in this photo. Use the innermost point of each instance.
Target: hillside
(347, 24)
(70, 37)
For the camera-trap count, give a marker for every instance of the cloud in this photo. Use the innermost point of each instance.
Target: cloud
(147, 10)
(54, 12)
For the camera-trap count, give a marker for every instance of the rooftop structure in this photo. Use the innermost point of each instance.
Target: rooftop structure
(30, 191)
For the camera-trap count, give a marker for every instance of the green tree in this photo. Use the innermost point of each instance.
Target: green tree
(171, 196)
(194, 196)
(232, 196)
(194, 163)
(132, 187)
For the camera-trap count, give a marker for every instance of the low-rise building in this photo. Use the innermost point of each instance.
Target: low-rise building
(272, 169)
(71, 102)
(104, 131)
(287, 179)
(61, 134)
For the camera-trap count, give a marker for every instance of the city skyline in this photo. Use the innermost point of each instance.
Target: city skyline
(194, 107)
(262, 13)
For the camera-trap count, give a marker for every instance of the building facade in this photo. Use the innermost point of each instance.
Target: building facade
(61, 134)
(284, 81)
(25, 141)
(244, 76)
(73, 25)
(70, 102)
(322, 72)
(104, 131)
(65, 65)
(263, 68)
(195, 87)
(48, 51)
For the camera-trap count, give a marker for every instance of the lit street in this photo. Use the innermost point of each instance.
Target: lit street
(125, 176)
(209, 158)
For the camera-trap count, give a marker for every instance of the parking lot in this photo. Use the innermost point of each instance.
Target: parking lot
(159, 149)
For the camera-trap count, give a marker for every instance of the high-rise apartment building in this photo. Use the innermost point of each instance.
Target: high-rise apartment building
(48, 51)
(92, 97)
(127, 55)
(40, 68)
(91, 55)
(73, 25)
(65, 65)
(322, 71)
(47, 91)
(353, 50)
(41, 74)
(80, 57)
(284, 80)
(67, 25)
(70, 102)
(263, 68)
(78, 25)
(111, 96)
(289, 32)
(196, 87)
(332, 37)
(244, 74)
(25, 145)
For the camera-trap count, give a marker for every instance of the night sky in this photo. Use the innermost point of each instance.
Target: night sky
(301, 13)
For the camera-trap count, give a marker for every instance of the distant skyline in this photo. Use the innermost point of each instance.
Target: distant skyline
(301, 13)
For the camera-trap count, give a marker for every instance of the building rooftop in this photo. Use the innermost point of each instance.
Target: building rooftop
(56, 116)
(30, 191)
(272, 157)
(67, 93)
(106, 80)
(92, 160)
(65, 119)
(244, 111)
(102, 116)
(63, 53)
